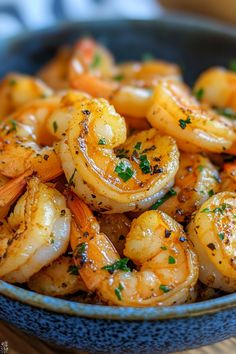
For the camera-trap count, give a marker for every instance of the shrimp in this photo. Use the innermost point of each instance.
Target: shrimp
(218, 86)
(110, 173)
(174, 111)
(60, 278)
(92, 70)
(20, 136)
(116, 227)
(228, 177)
(36, 232)
(196, 180)
(55, 72)
(213, 234)
(167, 266)
(18, 89)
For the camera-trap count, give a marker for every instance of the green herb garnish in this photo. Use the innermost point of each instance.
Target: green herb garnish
(211, 192)
(71, 182)
(55, 126)
(160, 201)
(145, 164)
(164, 288)
(171, 260)
(164, 248)
(138, 145)
(102, 141)
(221, 235)
(96, 61)
(183, 122)
(124, 171)
(199, 93)
(118, 77)
(13, 126)
(121, 264)
(73, 270)
(118, 291)
(200, 168)
(12, 82)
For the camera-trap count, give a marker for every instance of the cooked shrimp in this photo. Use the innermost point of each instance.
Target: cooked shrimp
(55, 72)
(228, 177)
(111, 174)
(196, 180)
(218, 86)
(213, 234)
(18, 89)
(174, 111)
(60, 278)
(168, 268)
(92, 70)
(116, 227)
(36, 233)
(20, 136)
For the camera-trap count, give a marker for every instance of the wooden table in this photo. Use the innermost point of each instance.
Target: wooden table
(20, 343)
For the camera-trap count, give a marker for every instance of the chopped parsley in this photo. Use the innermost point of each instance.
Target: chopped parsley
(200, 168)
(118, 77)
(13, 126)
(171, 260)
(164, 248)
(138, 145)
(160, 201)
(145, 164)
(102, 141)
(55, 126)
(52, 240)
(81, 252)
(96, 61)
(221, 236)
(199, 93)
(147, 57)
(227, 112)
(232, 65)
(121, 264)
(211, 192)
(71, 182)
(205, 210)
(164, 288)
(73, 270)
(118, 291)
(124, 171)
(183, 122)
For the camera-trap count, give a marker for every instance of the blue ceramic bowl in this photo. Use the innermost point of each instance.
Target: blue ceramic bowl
(195, 45)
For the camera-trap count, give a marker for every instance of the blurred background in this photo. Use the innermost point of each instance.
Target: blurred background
(21, 15)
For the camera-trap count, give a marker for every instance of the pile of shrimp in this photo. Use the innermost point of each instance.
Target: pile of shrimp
(118, 181)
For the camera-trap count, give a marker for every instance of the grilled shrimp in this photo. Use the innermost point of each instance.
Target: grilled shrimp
(36, 232)
(60, 278)
(18, 89)
(213, 234)
(21, 136)
(228, 177)
(175, 112)
(196, 180)
(218, 86)
(168, 268)
(110, 173)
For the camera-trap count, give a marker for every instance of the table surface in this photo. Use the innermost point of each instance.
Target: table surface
(20, 343)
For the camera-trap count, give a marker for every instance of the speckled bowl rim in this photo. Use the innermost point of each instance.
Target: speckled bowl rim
(111, 312)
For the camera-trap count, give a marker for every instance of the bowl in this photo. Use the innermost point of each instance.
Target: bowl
(195, 45)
